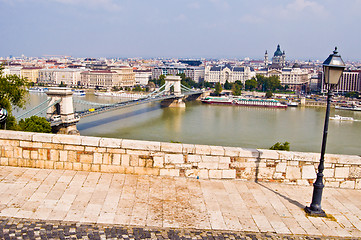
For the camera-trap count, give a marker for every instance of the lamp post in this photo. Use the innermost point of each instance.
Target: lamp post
(333, 67)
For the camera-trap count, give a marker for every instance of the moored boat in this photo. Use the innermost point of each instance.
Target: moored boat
(217, 100)
(79, 92)
(259, 103)
(38, 90)
(351, 107)
(340, 118)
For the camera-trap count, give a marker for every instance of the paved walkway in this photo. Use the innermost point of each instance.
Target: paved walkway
(174, 203)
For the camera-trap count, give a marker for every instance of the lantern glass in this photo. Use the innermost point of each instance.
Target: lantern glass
(332, 74)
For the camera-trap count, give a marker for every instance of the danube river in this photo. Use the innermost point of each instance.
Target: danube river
(248, 127)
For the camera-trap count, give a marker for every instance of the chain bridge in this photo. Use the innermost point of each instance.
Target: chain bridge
(63, 118)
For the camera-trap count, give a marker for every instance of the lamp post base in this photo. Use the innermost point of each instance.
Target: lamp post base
(315, 213)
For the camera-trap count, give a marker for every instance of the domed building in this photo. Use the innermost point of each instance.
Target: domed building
(278, 59)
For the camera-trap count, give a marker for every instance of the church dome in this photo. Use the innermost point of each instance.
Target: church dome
(296, 65)
(278, 52)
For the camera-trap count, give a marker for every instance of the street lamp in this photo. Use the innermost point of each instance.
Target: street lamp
(333, 67)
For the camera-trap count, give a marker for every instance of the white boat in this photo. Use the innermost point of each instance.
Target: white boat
(292, 104)
(79, 92)
(38, 90)
(352, 108)
(340, 118)
(119, 94)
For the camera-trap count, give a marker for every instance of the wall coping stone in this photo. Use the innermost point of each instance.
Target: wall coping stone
(16, 135)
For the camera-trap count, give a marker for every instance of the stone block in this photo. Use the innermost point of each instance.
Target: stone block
(169, 172)
(158, 162)
(53, 146)
(171, 147)
(68, 166)
(16, 135)
(229, 174)
(26, 144)
(192, 173)
(58, 165)
(224, 160)
(125, 160)
(308, 172)
(210, 159)
(95, 168)
(42, 137)
(141, 145)
(71, 156)
(358, 184)
(349, 159)
(77, 166)
(63, 155)
(13, 162)
(278, 175)
(329, 173)
(203, 174)
(110, 142)
(189, 148)
(116, 159)
(217, 151)
(231, 152)
(281, 167)
(248, 153)
(208, 165)
(306, 157)
(54, 155)
(98, 158)
(334, 184)
(268, 154)
(342, 172)
(34, 155)
(347, 184)
(13, 143)
(285, 155)
(43, 154)
(265, 173)
(40, 164)
(49, 164)
(90, 141)
(73, 147)
(293, 172)
(174, 158)
(86, 167)
(9, 152)
(215, 174)
(114, 150)
(194, 158)
(4, 161)
(67, 139)
(107, 159)
(86, 158)
(203, 149)
(223, 165)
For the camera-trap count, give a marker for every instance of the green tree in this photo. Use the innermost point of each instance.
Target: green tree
(279, 146)
(227, 85)
(251, 84)
(218, 88)
(269, 94)
(161, 80)
(35, 124)
(352, 94)
(137, 88)
(236, 90)
(12, 93)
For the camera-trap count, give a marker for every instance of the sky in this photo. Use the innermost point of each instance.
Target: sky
(233, 29)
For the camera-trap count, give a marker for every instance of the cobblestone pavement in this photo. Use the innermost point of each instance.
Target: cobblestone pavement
(47, 200)
(31, 229)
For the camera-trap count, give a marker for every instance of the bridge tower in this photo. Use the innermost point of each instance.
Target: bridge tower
(61, 112)
(177, 101)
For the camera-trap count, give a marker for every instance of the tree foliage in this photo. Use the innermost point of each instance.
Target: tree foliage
(251, 84)
(227, 85)
(35, 124)
(218, 88)
(12, 93)
(269, 94)
(281, 146)
(237, 88)
(268, 83)
(352, 94)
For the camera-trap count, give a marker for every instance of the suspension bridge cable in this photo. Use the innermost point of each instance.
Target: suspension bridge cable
(27, 112)
(44, 109)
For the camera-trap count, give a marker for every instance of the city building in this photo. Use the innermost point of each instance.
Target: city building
(142, 77)
(228, 73)
(67, 76)
(119, 77)
(30, 73)
(350, 81)
(195, 73)
(278, 59)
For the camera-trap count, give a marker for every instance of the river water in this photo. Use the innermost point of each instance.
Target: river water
(248, 127)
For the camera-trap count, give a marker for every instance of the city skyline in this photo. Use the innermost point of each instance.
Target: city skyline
(305, 29)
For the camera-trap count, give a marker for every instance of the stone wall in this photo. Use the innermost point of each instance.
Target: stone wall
(39, 150)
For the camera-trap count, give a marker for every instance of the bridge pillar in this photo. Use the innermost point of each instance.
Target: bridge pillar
(176, 81)
(178, 100)
(61, 115)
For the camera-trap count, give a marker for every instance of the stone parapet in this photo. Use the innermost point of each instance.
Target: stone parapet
(82, 153)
